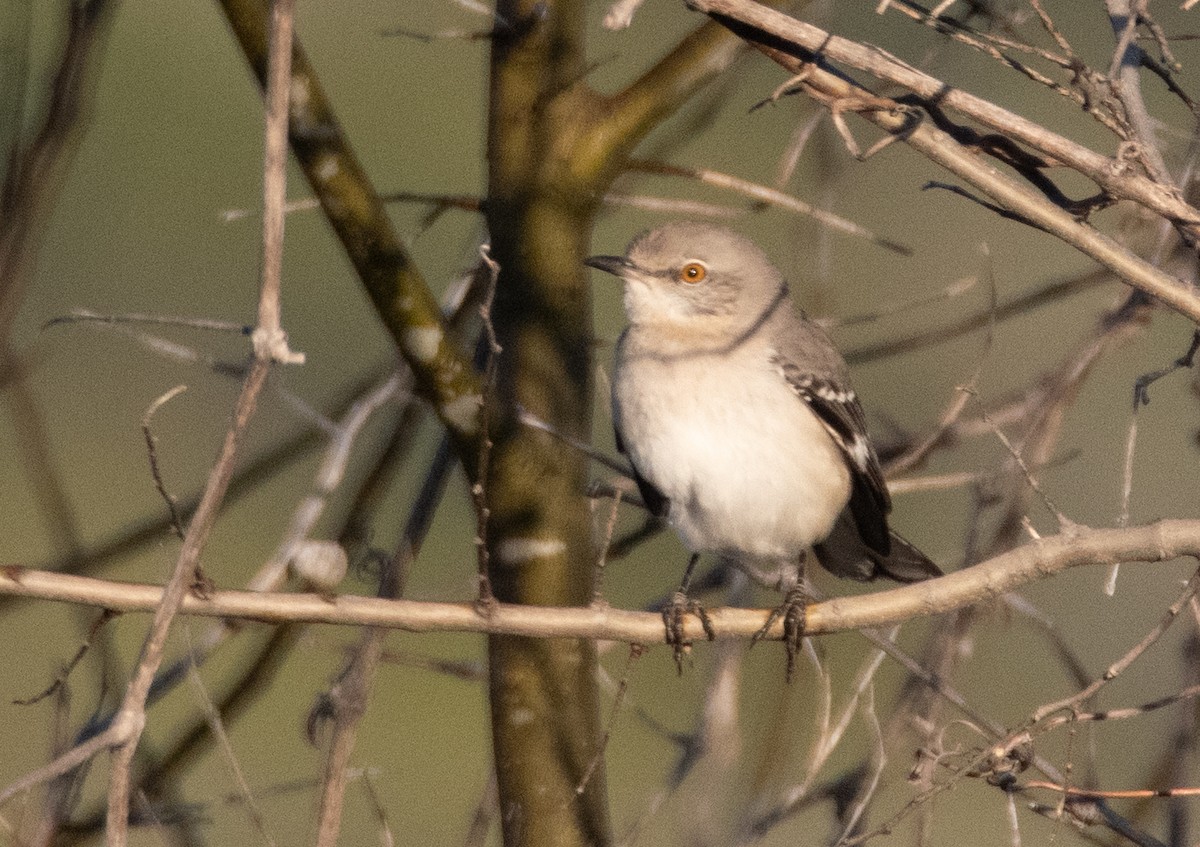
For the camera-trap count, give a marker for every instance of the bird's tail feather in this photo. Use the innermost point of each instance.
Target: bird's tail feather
(845, 554)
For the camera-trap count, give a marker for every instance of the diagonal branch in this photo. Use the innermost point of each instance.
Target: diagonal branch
(630, 114)
(772, 27)
(445, 377)
(781, 38)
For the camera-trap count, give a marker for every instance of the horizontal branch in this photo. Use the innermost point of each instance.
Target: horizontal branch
(1158, 542)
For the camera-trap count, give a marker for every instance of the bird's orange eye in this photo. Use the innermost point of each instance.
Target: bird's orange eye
(693, 272)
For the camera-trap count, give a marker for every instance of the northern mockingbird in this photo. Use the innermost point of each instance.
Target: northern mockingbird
(739, 419)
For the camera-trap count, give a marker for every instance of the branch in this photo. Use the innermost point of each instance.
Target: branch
(630, 114)
(34, 174)
(1158, 542)
(399, 293)
(127, 726)
(782, 37)
(270, 345)
(1107, 172)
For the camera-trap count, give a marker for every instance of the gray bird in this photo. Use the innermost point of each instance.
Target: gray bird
(737, 415)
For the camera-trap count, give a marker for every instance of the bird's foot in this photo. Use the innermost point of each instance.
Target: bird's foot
(673, 615)
(793, 611)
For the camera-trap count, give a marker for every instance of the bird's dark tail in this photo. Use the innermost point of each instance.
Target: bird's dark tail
(905, 563)
(845, 554)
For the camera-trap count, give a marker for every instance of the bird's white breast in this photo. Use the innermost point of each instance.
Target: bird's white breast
(747, 466)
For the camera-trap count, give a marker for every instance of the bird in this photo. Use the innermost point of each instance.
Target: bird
(737, 415)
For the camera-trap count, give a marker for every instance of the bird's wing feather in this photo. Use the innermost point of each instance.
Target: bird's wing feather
(656, 502)
(836, 406)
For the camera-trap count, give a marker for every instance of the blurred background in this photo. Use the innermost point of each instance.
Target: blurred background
(157, 213)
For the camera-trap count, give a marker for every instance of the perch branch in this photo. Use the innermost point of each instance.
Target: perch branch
(1158, 542)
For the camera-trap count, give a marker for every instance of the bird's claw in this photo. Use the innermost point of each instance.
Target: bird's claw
(673, 615)
(794, 614)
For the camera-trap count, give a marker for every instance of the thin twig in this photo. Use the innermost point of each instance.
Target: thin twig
(270, 344)
(32, 174)
(1065, 524)
(88, 316)
(752, 20)
(386, 837)
(217, 727)
(770, 196)
(879, 757)
(104, 617)
(528, 418)
(635, 653)
(1118, 667)
(490, 350)
(347, 700)
(127, 726)
(1110, 584)
(152, 453)
(1188, 693)
(485, 812)
(1051, 293)
(270, 341)
(610, 527)
(328, 478)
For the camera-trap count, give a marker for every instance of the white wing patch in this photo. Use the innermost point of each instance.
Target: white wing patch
(832, 394)
(860, 452)
(846, 428)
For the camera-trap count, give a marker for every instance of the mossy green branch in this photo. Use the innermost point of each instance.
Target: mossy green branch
(620, 121)
(444, 376)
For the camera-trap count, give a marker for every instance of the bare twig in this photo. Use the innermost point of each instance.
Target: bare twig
(1127, 61)
(386, 837)
(217, 727)
(752, 20)
(347, 701)
(142, 533)
(879, 757)
(770, 196)
(1115, 670)
(1117, 794)
(490, 351)
(1188, 693)
(328, 478)
(104, 617)
(1050, 293)
(152, 453)
(610, 527)
(485, 812)
(1065, 524)
(32, 175)
(1163, 200)
(635, 653)
(528, 418)
(270, 341)
(32, 444)
(270, 344)
(88, 316)
(126, 728)
(397, 290)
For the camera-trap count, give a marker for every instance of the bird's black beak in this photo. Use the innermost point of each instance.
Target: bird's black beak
(615, 265)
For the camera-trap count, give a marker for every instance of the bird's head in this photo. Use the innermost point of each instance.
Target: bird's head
(693, 273)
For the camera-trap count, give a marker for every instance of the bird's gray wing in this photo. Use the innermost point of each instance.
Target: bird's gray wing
(836, 406)
(656, 502)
